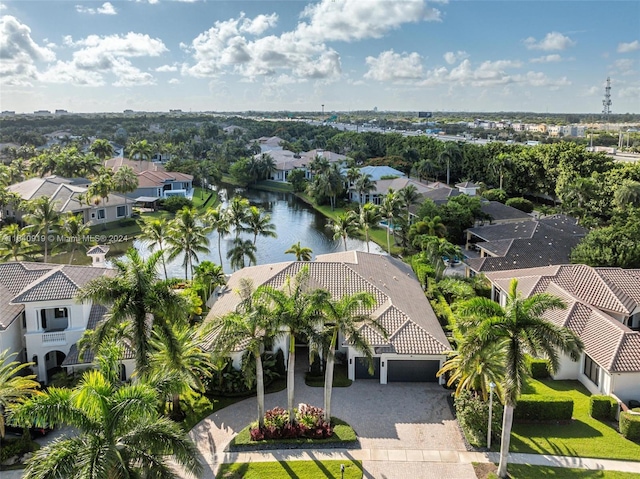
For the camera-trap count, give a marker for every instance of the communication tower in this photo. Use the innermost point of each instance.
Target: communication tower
(606, 102)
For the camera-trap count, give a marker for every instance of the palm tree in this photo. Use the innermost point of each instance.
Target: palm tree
(125, 180)
(207, 276)
(117, 431)
(42, 218)
(299, 311)
(429, 226)
(74, 231)
(13, 245)
(369, 218)
(249, 327)
(389, 210)
(258, 222)
(345, 316)
(364, 185)
(14, 386)
(218, 219)
(267, 166)
(133, 295)
(451, 152)
(237, 213)
(409, 196)
(181, 359)
(302, 253)
(343, 226)
(99, 190)
(154, 232)
(141, 150)
(519, 329)
(424, 168)
(499, 164)
(102, 149)
(627, 194)
(241, 248)
(187, 237)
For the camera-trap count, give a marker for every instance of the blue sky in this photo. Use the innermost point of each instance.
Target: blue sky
(156, 55)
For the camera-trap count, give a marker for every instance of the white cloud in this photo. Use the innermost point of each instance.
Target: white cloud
(391, 66)
(19, 52)
(106, 9)
(167, 68)
(554, 58)
(174, 81)
(3, 7)
(624, 66)
(628, 47)
(301, 52)
(98, 56)
(553, 41)
(632, 92)
(451, 57)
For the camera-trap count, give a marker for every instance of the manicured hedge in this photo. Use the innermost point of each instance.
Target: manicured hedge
(602, 407)
(543, 408)
(539, 368)
(472, 413)
(630, 425)
(521, 204)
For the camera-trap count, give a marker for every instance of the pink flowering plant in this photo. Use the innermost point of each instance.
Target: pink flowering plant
(309, 423)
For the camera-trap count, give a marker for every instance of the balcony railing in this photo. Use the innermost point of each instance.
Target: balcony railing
(57, 337)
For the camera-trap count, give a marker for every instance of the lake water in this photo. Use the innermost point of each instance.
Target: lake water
(295, 221)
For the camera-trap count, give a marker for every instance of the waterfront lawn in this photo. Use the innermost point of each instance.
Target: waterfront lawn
(527, 471)
(203, 199)
(298, 469)
(270, 185)
(583, 437)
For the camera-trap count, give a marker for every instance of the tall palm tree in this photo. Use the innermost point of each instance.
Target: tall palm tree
(429, 226)
(41, 219)
(259, 222)
(134, 295)
(389, 209)
(125, 180)
(249, 327)
(302, 253)
(74, 231)
(237, 213)
(117, 430)
(298, 310)
(499, 164)
(267, 166)
(240, 249)
(450, 152)
(14, 386)
(218, 219)
(141, 150)
(99, 190)
(344, 226)
(519, 329)
(364, 185)
(188, 237)
(369, 218)
(154, 232)
(409, 196)
(102, 149)
(346, 316)
(13, 245)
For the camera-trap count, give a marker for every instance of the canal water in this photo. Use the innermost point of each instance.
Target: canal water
(294, 220)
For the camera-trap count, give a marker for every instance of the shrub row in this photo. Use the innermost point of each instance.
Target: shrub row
(603, 407)
(472, 413)
(538, 368)
(543, 408)
(309, 423)
(630, 425)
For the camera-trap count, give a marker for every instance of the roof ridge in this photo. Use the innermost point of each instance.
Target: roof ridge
(617, 291)
(35, 282)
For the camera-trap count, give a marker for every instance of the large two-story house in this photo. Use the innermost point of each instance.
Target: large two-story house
(603, 309)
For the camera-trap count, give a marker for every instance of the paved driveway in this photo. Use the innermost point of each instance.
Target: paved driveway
(393, 416)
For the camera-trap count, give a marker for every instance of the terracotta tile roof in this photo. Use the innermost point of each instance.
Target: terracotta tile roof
(590, 294)
(401, 305)
(147, 179)
(118, 162)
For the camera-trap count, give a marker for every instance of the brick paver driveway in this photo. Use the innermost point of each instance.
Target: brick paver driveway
(393, 416)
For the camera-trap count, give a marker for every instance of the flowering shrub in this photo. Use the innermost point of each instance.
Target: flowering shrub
(309, 423)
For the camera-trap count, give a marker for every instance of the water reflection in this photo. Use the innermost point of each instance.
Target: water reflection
(295, 221)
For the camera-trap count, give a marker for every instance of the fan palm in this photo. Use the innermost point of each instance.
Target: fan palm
(302, 253)
(187, 237)
(347, 316)
(41, 219)
(154, 232)
(117, 431)
(134, 295)
(519, 329)
(299, 311)
(259, 223)
(14, 387)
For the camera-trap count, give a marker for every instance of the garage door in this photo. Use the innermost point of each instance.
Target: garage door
(412, 371)
(362, 368)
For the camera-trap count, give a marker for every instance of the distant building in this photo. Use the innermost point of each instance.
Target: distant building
(61, 112)
(8, 113)
(42, 112)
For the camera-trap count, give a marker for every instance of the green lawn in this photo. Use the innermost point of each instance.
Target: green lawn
(526, 471)
(270, 185)
(342, 432)
(204, 199)
(297, 469)
(583, 437)
(340, 378)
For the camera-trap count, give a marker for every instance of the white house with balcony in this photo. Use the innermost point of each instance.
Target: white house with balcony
(41, 320)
